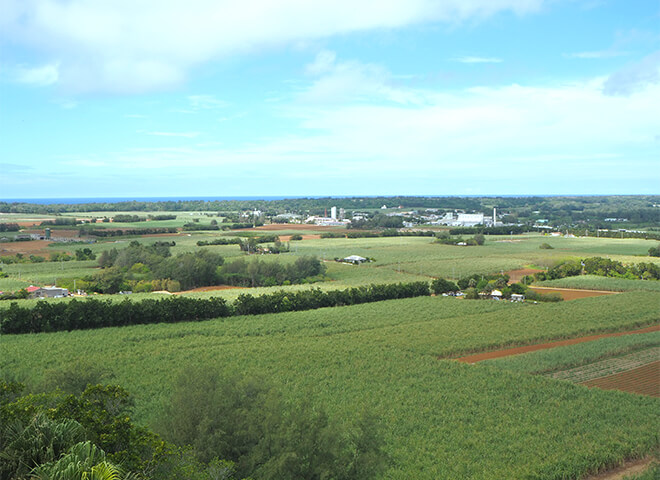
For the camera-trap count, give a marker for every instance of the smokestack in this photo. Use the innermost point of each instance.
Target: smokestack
(494, 216)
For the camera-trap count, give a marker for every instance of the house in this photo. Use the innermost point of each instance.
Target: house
(354, 259)
(496, 295)
(516, 297)
(48, 292)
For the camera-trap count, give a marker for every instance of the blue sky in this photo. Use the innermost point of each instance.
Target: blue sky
(129, 98)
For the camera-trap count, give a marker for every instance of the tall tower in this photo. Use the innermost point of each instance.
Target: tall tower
(333, 213)
(494, 216)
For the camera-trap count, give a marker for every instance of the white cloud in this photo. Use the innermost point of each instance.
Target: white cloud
(635, 76)
(127, 46)
(38, 76)
(205, 102)
(597, 54)
(341, 81)
(552, 136)
(478, 60)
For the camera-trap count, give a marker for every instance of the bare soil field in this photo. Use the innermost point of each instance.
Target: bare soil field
(31, 247)
(643, 380)
(516, 275)
(572, 293)
(286, 238)
(478, 357)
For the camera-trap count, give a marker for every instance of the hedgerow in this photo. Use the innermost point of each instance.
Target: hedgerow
(94, 313)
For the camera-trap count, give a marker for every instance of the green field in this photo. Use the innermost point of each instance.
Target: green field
(442, 419)
(594, 282)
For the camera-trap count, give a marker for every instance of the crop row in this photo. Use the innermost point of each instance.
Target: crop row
(571, 356)
(442, 419)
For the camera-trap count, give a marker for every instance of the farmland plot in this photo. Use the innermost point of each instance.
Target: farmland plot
(442, 419)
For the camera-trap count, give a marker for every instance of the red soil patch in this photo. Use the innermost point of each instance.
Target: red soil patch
(644, 380)
(516, 275)
(209, 289)
(572, 293)
(273, 227)
(30, 247)
(478, 357)
(286, 238)
(29, 223)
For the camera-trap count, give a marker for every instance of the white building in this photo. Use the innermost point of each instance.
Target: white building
(333, 213)
(470, 219)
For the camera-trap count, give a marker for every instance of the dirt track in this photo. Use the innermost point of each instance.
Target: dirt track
(572, 293)
(633, 467)
(644, 380)
(478, 357)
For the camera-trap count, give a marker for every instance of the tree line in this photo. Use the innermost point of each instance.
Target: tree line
(603, 267)
(147, 268)
(93, 313)
(107, 232)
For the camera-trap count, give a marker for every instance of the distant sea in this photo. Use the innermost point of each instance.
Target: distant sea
(74, 201)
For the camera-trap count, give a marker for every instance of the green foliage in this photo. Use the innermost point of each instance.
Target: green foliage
(92, 313)
(9, 227)
(246, 421)
(546, 246)
(384, 356)
(125, 218)
(257, 273)
(24, 444)
(471, 294)
(600, 266)
(74, 378)
(654, 251)
(440, 285)
(85, 254)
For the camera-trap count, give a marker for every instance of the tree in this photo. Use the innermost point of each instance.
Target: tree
(245, 420)
(440, 285)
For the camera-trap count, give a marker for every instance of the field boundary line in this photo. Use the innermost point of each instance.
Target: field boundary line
(565, 289)
(630, 467)
(478, 357)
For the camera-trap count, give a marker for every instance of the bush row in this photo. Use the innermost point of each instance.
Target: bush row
(94, 313)
(390, 232)
(101, 232)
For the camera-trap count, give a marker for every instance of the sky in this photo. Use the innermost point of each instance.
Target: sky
(199, 98)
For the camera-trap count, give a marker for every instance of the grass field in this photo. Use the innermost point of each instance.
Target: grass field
(594, 282)
(442, 419)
